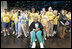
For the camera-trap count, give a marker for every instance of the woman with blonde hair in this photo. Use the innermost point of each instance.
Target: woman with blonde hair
(50, 16)
(5, 19)
(44, 21)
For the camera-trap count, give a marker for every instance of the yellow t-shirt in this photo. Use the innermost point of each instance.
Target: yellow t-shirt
(12, 17)
(44, 20)
(2, 14)
(15, 18)
(5, 17)
(32, 16)
(68, 16)
(50, 15)
(38, 16)
(56, 20)
(27, 17)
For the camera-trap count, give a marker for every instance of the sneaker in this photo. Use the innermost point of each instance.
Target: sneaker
(4, 34)
(35, 39)
(33, 45)
(8, 33)
(18, 36)
(41, 45)
(16, 33)
(69, 30)
(54, 32)
(52, 35)
(1, 31)
(13, 32)
(45, 38)
(25, 35)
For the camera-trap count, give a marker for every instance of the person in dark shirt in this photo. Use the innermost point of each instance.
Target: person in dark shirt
(36, 31)
(62, 20)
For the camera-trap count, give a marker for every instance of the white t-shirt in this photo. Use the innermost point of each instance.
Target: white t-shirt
(36, 25)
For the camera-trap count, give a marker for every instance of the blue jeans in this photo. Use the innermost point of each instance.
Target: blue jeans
(70, 21)
(67, 28)
(37, 34)
(27, 22)
(16, 27)
(6, 25)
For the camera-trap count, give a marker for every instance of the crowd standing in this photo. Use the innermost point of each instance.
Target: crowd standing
(38, 24)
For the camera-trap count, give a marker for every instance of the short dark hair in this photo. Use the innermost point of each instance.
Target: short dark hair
(22, 9)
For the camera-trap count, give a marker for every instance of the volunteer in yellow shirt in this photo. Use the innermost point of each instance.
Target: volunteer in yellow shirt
(50, 16)
(55, 21)
(32, 15)
(13, 24)
(37, 15)
(5, 18)
(40, 15)
(15, 18)
(68, 29)
(44, 21)
(31, 18)
(68, 16)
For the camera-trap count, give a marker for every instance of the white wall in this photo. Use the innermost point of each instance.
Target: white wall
(3, 5)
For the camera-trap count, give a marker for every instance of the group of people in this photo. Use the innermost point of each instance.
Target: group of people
(38, 24)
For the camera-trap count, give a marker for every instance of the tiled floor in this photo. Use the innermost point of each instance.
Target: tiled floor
(12, 42)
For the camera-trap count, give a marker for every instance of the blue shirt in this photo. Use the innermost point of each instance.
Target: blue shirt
(22, 18)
